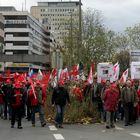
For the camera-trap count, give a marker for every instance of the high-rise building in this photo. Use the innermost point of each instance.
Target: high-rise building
(24, 34)
(1, 32)
(57, 16)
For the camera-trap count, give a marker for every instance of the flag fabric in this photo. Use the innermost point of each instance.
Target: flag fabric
(39, 72)
(75, 72)
(90, 77)
(33, 88)
(30, 73)
(93, 67)
(124, 76)
(116, 71)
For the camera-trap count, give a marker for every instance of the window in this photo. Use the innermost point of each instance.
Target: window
(15, 25)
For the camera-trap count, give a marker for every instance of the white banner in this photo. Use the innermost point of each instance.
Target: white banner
(104, 72)
(135, 70)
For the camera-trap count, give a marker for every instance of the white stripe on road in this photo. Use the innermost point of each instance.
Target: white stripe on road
(52, 128)
(118, 128)
(135, 134)
(58, 136)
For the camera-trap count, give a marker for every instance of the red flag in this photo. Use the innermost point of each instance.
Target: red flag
(93, 67)
(124, 76)
(8, 73)
(90, 77)
(32, 86)
(53, 72)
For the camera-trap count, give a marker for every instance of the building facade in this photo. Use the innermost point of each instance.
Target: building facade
(57, 16)
(1, 32)
(24, 34)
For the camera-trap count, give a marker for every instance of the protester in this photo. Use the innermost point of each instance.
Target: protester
(128, 98)
(110, 99)
(59, 98)
(37, 99)
(96, 96)
(7, 89)
(1, 102)
(16, 103)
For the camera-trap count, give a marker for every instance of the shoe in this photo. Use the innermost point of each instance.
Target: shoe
(19, 127)
(130, 124)
(12, 126)
(60, 126)
(33, 125)
(5, 118)
(43, 124)
(56, 125)
(112, 126)
(107, 127)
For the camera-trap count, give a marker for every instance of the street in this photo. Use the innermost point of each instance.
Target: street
(70, 132)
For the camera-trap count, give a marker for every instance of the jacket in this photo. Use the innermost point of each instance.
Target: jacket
(60, 96)
(110, 99)
(37, 98)
(124, 95)
(16, 98)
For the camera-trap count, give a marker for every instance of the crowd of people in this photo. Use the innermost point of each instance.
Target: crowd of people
(113, 101)
(19, 99)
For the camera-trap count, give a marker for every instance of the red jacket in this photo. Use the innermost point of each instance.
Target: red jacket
(33, 97)
(110, 100)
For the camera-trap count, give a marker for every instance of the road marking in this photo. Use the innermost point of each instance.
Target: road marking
(135, 134)
(52, 128)
(58, 136)
(119, 128)
(103, 131)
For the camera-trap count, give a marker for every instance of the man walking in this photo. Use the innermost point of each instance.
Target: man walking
(128, 98)
(110, 99)
(16, 102)
(38, 100)
(59, 98)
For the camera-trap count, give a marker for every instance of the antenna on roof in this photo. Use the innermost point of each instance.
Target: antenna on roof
(22, 6)
(25, 5)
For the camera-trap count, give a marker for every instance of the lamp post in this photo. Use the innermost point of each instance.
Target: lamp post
(80, 29)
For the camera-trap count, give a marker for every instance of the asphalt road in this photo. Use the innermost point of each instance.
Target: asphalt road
(70, 132)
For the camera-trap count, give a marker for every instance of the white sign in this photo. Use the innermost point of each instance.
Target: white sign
(135, 70)
(104, 71)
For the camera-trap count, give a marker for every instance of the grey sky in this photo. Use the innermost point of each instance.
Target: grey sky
(118, 14)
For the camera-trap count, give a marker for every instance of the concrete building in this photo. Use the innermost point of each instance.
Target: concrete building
(1, 32)
(58, 15)
(1, 39)
(24, 34)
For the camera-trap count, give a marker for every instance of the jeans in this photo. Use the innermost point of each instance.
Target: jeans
(59, 114)
(7, 110)
(41, 113)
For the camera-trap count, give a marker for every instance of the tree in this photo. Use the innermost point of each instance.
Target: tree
(123, 58)
(133, 34)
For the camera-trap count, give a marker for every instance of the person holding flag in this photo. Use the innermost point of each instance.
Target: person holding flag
(38, 98)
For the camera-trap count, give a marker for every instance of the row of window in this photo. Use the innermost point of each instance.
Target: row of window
(57, 10)
(49, 15)
(1, 26)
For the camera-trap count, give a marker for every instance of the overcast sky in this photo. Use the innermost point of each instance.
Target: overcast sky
(118, 14)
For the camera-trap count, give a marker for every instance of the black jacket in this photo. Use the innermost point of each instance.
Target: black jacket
(60, 96)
